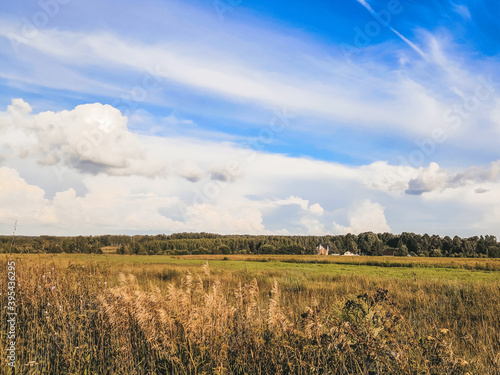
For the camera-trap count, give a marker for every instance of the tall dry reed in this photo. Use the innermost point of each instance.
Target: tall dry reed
(88, 318)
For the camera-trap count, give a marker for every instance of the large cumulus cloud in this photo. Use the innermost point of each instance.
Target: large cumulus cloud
(203, 185)
(93, 138)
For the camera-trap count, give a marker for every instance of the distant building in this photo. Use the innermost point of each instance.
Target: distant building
(388, 253)
(349, 254)
(323, 249)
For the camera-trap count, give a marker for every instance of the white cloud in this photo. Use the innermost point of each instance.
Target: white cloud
(494, 117)
(434, 178)
(19, 107)
(477, 174)
(314, 227)
(190, 170)
(237, 218)
(20, 200)
(364, 217)
(173, 120)
(272, 193)
(428, 179)
(292, 200)
(462, 10)
(226, 173)
(107, 206)
(92, 138)
(391, 179)
(316, 209)
(340, 94)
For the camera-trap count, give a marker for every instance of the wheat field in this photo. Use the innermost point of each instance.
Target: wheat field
(89, 315)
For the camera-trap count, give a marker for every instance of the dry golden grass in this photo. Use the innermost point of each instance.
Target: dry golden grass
(103, 318)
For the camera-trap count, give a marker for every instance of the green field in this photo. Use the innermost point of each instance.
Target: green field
(133, 314)
(312, 267)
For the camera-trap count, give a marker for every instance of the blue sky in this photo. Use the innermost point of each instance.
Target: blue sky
(394, 105)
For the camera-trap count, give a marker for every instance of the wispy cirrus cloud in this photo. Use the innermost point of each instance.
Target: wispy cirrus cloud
(402, 103)
(412, 45)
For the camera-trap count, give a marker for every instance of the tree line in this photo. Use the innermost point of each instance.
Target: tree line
(367, 243)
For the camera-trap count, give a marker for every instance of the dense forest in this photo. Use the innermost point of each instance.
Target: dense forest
(367, 243)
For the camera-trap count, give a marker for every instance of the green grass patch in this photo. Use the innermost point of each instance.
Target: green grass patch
(279, 266)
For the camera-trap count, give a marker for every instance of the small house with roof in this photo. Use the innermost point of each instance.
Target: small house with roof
(323, 249)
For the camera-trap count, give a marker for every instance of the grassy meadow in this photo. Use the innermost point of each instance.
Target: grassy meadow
(242, 314)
